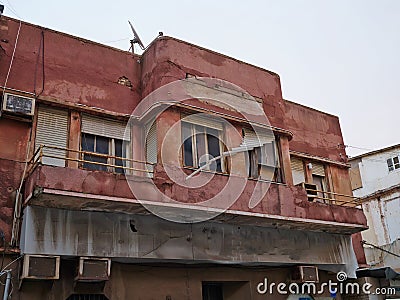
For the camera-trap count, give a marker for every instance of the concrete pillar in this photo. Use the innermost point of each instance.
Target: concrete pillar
(285, 155)
(74, 138)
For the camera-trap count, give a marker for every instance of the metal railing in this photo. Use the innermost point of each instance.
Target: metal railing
(41, 153)
(333, 198)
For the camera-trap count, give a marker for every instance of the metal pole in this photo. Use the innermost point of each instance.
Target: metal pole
(7, 286)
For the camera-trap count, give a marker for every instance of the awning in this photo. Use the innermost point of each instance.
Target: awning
(384, 272)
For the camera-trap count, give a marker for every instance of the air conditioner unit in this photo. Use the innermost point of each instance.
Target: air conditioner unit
(305, 274)
(41, 267)
(19, 105)
(93, 269)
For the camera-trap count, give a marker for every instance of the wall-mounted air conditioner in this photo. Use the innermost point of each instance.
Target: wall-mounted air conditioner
(41, 267)
(93, 269)
(18, 105)
(305, 274)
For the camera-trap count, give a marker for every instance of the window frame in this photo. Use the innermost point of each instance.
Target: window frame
(193, 137)
(257, 162)
(392, 165)
(111, 159)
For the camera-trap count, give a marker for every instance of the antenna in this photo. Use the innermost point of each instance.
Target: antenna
(136, 39)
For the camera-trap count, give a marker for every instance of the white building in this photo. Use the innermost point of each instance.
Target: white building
(375, 179)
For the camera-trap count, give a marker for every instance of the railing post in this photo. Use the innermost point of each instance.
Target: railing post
(41, 154)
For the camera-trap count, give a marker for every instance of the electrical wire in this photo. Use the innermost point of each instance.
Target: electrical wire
(115, 41)
(12, 58)
(18, 258)
(13, 10)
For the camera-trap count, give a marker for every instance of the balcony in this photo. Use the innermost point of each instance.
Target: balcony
(282, 206)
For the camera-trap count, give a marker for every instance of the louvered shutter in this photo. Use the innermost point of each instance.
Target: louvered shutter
(203, 120)
(318, 169)
(297, 170)
(256, 139)
(151, 143)
(105, 127)
(52, 130)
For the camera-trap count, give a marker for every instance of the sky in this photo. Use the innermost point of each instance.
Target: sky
(338, 56)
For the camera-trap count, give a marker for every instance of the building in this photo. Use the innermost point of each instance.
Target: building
(98, 147)
(375, 179)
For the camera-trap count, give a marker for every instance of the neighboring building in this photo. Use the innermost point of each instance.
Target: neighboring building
(79, 219)
(375, 179)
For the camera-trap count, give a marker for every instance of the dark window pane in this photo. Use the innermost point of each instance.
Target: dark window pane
(213, 144)
(389, 162)
(187, 145)
(212, 291)
(119, 153)
(102, 144)
(201, 146)
(87, 143)
(92, 143)
(253, 163)
(396, 160)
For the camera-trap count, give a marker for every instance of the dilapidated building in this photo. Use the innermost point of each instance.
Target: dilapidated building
(179, 173)
(375, 178)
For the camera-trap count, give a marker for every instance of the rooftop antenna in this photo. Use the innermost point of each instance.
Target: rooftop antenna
(136, 39)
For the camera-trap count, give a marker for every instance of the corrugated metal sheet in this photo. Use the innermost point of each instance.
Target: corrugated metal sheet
(203, 120)
(52, 130)
(105, 127)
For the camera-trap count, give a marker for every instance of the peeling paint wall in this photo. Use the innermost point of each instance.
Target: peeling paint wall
(76, 233)
(14, 137)
(76, 71)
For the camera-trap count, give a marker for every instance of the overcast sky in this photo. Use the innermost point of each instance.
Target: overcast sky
(338, 56)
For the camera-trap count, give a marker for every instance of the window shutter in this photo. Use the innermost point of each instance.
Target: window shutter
(318, 169)
(105, 127)
(52, 130)
(297, 170)
(203, 120)
(253, 139)
(151, 143)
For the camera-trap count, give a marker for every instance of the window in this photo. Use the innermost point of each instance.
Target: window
(393, 163)
(107, 139)
(297, 170)
(318, 177)
(105, 147)
(262, 161)
(200, 145)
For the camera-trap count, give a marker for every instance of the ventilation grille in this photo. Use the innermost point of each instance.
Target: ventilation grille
(94, 269)
(41, 267)
(305, 274)
(18, 105)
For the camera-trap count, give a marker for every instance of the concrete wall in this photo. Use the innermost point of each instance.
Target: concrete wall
(164, 281)
(382, 204)
(14, 137)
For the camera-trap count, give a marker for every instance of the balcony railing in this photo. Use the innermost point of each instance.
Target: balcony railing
(332, 198)
(65, 155)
